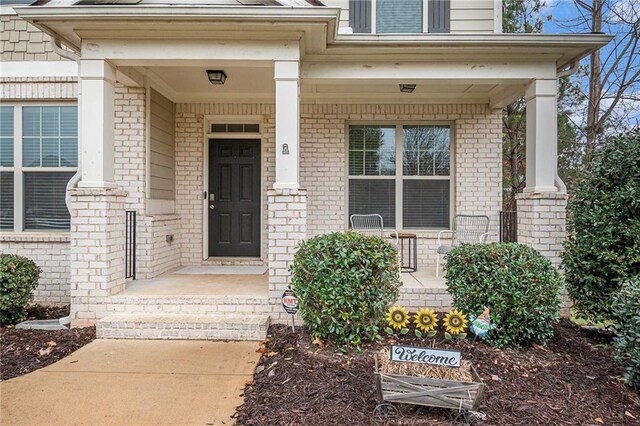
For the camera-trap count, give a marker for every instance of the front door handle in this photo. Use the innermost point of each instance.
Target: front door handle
(211, 207)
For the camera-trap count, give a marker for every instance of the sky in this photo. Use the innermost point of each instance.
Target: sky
(564, 14)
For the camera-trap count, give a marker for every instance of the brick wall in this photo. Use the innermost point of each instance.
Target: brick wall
(49, 88)
(190, 151)
(51, 254)
(97, 241)
(323, 146)
(155, 255)
(50, 251)
(287, 224)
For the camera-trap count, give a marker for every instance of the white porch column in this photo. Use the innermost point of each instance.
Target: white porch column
(287, 124)
(542, 205)
(542, 136)
(97, 85)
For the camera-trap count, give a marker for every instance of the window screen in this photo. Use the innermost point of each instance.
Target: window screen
(393, 16)
(6, 201)
(6, 136)
(44, 206)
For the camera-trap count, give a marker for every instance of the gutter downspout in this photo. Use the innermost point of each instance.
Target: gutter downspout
(558, 183)
(56, 45)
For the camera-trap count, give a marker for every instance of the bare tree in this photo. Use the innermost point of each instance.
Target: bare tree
(613, 89)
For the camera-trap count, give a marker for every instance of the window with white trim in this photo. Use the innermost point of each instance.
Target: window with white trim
(38, 156)
(403, 173)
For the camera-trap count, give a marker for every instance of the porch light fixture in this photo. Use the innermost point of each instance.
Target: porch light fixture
(407, 88)
(216, 76)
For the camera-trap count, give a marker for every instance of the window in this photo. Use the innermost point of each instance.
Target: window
(395, 17)
(38, 156)
(403, 173)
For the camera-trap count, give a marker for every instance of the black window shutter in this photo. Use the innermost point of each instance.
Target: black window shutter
(360, 16)
(439, 16)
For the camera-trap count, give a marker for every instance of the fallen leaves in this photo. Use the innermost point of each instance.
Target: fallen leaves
(48, 349)
(318, 342)
(540, 348)
(599, 420)
(45, 351)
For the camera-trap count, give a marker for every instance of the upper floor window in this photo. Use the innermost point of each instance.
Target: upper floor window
(396, 17)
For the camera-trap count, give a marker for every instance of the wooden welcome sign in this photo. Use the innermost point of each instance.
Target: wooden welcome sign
(443, 357)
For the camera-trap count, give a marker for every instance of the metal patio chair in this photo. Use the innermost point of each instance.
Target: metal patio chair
(369, 224)
(467, 229)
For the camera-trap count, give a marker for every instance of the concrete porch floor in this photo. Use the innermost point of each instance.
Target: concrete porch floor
(424, 277)
(174, 284)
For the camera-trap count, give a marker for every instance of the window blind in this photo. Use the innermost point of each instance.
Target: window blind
(373, 196)
(6, 200)
(6, 136)
(50, 136)
(393, 16)
(44, 206)
(425, 203)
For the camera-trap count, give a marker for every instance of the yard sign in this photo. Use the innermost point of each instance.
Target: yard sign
(290, 305)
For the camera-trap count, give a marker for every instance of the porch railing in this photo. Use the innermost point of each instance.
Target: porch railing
(508, 227)
(130, 245)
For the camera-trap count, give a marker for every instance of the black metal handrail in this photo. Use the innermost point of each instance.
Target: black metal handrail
(130, 245)
(508, 227)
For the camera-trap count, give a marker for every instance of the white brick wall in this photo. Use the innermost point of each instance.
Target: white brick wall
(49, 88)
(51, 254)
(97, 251)
(50, 251)
(287, 224)
(155, 255)
(323, 146)
(190, 152)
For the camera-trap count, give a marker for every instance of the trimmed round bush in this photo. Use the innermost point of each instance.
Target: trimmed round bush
(18, 278)
(344, 283)
(602, 249)
(520, 287)
(626, 308)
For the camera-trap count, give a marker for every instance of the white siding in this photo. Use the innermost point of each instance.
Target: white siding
(162, 152)
(344, 10)
(472, 16)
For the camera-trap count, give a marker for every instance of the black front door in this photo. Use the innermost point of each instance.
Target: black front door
(234, 197)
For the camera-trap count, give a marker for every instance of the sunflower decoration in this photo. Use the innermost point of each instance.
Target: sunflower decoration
(398, 317)
(455, 322)
(426, 320)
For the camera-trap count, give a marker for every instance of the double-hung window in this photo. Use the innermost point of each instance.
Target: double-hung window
(403, 173)
(396, 17)
(38, 156)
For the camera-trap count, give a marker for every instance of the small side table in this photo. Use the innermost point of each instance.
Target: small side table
(408, 251)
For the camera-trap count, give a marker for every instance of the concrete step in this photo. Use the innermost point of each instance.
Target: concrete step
(183, 326)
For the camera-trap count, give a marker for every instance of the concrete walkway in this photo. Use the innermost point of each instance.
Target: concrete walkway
(134, 382)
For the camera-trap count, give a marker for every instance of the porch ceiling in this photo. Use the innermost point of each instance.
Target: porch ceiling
(255, 83)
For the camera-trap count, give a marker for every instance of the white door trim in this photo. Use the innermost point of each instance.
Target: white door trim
(230, 119)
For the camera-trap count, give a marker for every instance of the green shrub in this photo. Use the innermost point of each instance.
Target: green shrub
(18, 278)
(344, 283)
(626, 308)
(519, 286)
(603, 243)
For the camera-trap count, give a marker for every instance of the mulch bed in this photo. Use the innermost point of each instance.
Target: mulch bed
(23, 351)
(572, 382)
